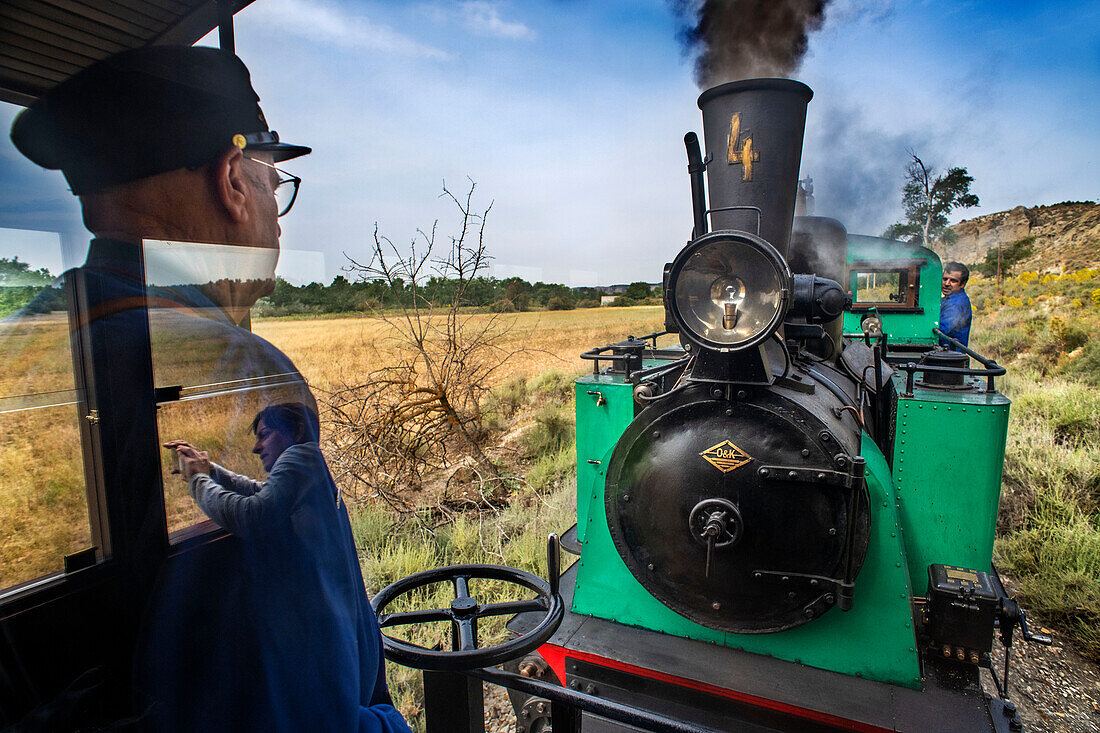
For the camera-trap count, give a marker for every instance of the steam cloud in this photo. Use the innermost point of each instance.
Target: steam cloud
(858, 168)
(743, 39)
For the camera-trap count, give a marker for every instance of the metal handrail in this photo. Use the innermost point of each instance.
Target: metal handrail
(598, 354)
(990, 370)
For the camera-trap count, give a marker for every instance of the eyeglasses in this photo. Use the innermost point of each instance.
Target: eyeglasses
(286, 190)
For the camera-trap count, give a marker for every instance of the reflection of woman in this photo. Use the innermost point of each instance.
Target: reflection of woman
(312, 645)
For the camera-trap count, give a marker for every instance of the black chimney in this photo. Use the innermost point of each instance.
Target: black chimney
(753, 131)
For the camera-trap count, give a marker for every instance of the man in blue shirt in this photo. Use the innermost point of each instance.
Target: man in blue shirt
(955, 311)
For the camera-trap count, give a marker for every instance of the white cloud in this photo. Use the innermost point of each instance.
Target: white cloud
(483, 18)
(329, 25)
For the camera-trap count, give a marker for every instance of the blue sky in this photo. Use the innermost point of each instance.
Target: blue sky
(570, 117)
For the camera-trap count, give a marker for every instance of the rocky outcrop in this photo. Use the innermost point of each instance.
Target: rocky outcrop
(1066, 236)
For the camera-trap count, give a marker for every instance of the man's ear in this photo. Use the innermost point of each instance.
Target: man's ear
(231, 185)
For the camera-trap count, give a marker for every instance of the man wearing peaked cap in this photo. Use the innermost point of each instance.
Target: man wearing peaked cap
(144, 112)
(265, 631)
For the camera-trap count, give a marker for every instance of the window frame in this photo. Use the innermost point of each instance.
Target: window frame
(908, 271)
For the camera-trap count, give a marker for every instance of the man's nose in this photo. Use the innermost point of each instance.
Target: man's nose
(256, 448)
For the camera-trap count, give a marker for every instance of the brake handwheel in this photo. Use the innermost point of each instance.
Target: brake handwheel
(464, 612)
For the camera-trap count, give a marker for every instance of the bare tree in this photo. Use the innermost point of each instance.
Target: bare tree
(422, 412)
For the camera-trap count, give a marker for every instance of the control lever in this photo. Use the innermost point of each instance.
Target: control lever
(1009, 616)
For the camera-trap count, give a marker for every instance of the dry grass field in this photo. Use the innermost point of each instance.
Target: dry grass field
(43, 505)
(331, 350)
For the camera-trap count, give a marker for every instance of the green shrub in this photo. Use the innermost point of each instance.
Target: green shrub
(553, 469)
(1018, 251)
(554, 383)
(508, 397)
(553, 429)
(560, 304)
(1057, 566)
(588, 303)
(503, 306)
(1070, 411)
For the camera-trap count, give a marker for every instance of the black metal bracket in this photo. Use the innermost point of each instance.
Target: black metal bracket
(812, 475)
(568, 701)
(759, 213)
(167, 394)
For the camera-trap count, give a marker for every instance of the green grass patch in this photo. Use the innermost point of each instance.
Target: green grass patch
(392, 548)
(553, 430)
(1056, 561)
(553, 469)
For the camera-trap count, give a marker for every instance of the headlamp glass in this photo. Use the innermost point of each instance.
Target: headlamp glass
(730, 292)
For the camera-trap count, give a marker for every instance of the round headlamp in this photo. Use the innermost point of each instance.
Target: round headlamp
(728, 290)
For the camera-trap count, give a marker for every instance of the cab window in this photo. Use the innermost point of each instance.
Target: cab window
(44, 492)
(885, 286)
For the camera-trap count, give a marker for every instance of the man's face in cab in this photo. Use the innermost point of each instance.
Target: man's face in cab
(951, 283)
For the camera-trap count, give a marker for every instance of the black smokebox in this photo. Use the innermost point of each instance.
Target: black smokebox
(753, 131)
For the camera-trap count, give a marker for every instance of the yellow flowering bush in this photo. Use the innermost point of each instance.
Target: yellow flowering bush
(1014, 302)
(1028, 277)
(1095, 298)
(1077, 303)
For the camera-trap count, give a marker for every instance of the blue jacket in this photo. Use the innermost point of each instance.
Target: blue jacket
(955, 315)
(318, 655)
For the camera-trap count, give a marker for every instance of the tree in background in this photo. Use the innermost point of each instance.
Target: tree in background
(639, 291)
(928, 199)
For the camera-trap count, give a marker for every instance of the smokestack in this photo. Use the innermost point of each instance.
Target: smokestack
(753, 131)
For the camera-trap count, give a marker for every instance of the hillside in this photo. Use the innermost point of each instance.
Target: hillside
(1067, 235)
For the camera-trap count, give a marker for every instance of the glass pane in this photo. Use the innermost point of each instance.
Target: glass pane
(214, 374)
(878, 287)
(43, 494)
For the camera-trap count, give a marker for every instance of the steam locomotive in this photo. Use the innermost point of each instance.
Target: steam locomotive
(786, 521)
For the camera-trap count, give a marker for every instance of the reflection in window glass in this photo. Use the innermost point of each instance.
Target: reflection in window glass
(43, 494)
(878, 287)
(214, 375)
(222, 426)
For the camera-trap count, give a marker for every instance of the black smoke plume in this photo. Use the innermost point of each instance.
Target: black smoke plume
(744, 39)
